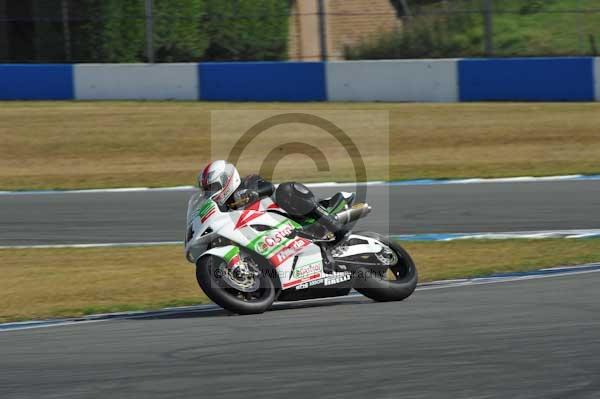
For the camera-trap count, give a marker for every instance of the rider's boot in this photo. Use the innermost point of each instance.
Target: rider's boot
(330, 266)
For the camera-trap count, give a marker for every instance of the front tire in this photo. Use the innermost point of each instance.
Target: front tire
(374, 285)
(210, 279)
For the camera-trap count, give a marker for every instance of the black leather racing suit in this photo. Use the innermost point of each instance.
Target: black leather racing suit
(295, 198)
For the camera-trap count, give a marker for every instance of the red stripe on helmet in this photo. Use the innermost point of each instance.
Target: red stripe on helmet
(205, 175)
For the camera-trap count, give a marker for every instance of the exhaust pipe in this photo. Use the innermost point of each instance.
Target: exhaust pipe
(353, 214)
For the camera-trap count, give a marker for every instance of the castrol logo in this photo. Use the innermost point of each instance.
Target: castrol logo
(273, 240)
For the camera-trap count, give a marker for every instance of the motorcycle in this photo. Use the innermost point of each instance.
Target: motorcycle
(249, 257)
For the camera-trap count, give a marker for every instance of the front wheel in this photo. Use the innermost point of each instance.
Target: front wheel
(248, 294)
(397, 283)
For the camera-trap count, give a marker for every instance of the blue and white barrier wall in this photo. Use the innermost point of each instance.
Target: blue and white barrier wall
(393, 80)
(523, 79)
(262, 81)
(135, 81)
(447, 80)
(597, 79)
(36, 82)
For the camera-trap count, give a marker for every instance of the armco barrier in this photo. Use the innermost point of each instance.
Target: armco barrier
(597, 78)
(262, 81)
(36, 82)
(526, 79)
(393, 80)
(510, 79)
(136, 81)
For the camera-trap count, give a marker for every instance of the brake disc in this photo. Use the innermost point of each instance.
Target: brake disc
(245, 279)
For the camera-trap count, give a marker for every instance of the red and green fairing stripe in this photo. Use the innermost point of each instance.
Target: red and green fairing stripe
(232, 257)
(207, 210)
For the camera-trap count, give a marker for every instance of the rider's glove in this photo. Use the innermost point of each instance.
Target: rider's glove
(244, 196)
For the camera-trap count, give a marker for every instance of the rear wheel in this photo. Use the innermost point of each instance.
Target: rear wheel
(247, 292)
(399, 279)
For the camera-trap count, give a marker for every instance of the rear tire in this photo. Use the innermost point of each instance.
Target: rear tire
(375, 286)
(208, 277)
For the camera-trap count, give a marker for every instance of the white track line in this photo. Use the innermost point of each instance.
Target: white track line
(94, 245)
(565, 234)
(417, 182)
(567, 271)
(529, 235)
(497, 280)
(99, 190)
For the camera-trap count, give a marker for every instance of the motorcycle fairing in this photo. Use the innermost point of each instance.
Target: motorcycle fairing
(285, 252)
(229, 253)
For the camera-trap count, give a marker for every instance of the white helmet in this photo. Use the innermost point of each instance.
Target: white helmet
(219, 180)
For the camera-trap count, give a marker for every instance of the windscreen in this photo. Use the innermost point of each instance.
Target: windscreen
(194, 204)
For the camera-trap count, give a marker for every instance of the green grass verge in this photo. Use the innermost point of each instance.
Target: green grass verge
(70, 145)
(43, 283)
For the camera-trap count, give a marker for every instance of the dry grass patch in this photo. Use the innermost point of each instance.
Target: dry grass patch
(40, 283)
(116, 144)
(470, 258)
(43, 283)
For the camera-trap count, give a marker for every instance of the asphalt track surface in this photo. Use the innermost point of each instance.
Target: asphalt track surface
(160, 215)
(524, 339)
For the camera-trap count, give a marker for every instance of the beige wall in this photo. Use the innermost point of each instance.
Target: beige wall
(347, 22)
(304, 31)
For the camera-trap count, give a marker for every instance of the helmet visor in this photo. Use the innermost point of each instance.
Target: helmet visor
(211, 189)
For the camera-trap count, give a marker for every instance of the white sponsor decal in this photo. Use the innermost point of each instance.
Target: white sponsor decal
(336, 279)
(315, 282)
(307, 270)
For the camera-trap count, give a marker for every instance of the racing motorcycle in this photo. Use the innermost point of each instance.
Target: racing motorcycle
(248, 258)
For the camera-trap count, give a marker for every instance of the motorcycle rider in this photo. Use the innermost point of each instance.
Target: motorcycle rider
(221, 181)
